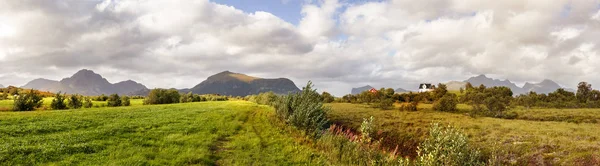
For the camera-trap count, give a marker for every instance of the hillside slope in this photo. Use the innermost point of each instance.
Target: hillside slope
(236, 84)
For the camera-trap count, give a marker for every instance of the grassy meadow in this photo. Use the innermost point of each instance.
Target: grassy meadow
(7, 105)
(206, 133)
(517, 142)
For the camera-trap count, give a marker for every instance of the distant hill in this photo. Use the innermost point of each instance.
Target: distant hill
(85, 82)
(455, 85)
(358, 90)
(1, 86)
(236, 84)
(546, 86)
(400, 90)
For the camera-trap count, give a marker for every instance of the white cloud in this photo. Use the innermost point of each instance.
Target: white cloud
(338, 45)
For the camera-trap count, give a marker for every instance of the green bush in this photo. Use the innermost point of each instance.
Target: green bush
(28, 101)
(125, 101)
(327, 97)
(4, 96)
(58, 103)
(384, 104)
(303, 110)
(88, 103)
(447, 103)
(163, 96)
(367, 130)
(113, 100)
(412, 106)
(447, 146)
(75, 101)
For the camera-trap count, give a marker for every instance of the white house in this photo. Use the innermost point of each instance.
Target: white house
(426, 87)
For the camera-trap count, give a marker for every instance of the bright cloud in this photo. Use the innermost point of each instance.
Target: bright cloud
(337, 44)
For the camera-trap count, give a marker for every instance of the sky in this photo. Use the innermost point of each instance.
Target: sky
(336, 44)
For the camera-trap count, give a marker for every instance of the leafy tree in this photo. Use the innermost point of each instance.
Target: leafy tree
(303, 110)
(327, 98)
(58, 103)
(447, 103)
(389, 92)
(468, 86)
(162, 96)
(125, 101)
(28, 101)
(584, 92)
(75, 101)
(4, 96)
(440, 91)
(114, 100)
(88, 103)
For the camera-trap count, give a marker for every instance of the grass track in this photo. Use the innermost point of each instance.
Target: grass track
(207, 133)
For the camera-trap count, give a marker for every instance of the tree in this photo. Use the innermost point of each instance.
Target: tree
(88, 103)
(58, 103)
(303, 110)
(327, 98)
(440, 91)
(389, 92)
(125, 101)
(584, 92)
(75, 101)
(447, 103)
(28, 101)
(162, 96)
(468, 86)
(114, 100)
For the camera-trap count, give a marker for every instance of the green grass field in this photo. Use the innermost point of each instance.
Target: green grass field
(520, 142)
(7, 105)
(207, 133)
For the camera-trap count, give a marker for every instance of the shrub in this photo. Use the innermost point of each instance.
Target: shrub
(58, 103)
(75, 101)
(447, 146)
(384, 104)
(327, 97)
(125, 101)
(113, 100)
(4, 96)
(446, 104)
(88, 103)
(28, 101)
(162, 96)
(367, 130)
(412, 106)
(303, 110)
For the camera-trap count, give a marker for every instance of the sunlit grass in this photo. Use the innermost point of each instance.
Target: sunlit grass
(518, 142)
(205, 133)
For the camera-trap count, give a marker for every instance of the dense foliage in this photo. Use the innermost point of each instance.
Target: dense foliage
(447, 146)
(58, 103)
(162, 96)
(75, 101)
(27, 101)
(114, 100)
(303, 110)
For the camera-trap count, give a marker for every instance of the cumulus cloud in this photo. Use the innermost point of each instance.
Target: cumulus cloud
(337, 44)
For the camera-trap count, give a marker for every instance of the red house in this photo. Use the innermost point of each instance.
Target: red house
(373, 90)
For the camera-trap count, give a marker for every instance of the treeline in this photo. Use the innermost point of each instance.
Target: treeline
(5, 93)
(170, 96)
(585, 97)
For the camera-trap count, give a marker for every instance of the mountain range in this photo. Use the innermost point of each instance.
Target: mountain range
(88, 83)
(85, 82)
(1, 86)
(546, 86)
(359, 90)
(236, 84)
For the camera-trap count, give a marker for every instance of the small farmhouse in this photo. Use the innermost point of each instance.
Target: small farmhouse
(426, 87)
(373, 90)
